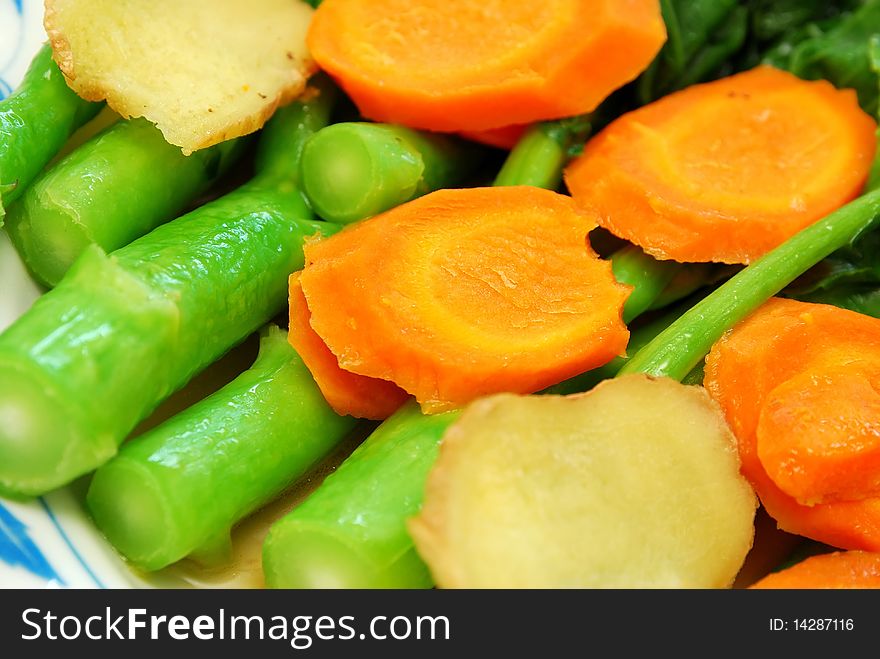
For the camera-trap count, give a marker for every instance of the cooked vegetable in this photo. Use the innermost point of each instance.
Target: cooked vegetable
(635, 484)
(466, 292)
(120, 333)
(113, 189)
(354, 494)
(538, 159)
(676, 352)
(476, 66)
(355, 170)
(203, 71)
(681, 347)
(346, 392)
(351, 533)
(842, 569)
(806, 420)
(383, 482)
(180, 487)
(819, 432)
(680, 179)
(34, 123)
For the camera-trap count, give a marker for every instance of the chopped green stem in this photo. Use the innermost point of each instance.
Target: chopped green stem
(180, 487)
(280, 150)
(113, 189)
(648, 277)
(678, 349)
(351, 171)
(35, 121)
(120, 333)
(542, 152)
(351, 532)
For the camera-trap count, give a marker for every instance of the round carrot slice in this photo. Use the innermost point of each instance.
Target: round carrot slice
(841, 569)
(727, 170)
(453, 66)
(346, 392)
(467, 292)
(819, 434)
(748, 372)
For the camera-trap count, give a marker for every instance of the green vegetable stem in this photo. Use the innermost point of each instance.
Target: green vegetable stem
(542, 152)
(120, 333)
(35, 121)
(648, 277)
(114, 188)
(354, 170)
(351, 532)
(180, 487)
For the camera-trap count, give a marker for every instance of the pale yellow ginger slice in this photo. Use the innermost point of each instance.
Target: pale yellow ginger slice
(633, 485)
(203, 71)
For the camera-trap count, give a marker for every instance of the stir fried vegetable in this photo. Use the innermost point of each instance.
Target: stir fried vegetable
(179, 488)
(455, 313)
(356, 170)
(113, 189)
(120, 333)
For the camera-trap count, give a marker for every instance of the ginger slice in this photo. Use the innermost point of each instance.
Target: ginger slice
(635, 484)
(203, 71)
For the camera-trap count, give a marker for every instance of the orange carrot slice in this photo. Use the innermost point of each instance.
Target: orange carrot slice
(462, 293)
(727, 170)
(842, 569)
(749, 371)
(819, 434)
(347, 393)
(452, 66)
(505, 137)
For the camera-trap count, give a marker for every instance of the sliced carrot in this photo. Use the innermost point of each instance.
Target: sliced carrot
(727, 170)
(453, 66)
(347, 393)
(462, 293)
(748, 371)
(819, 434)
(842, 569)
(505, 137)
